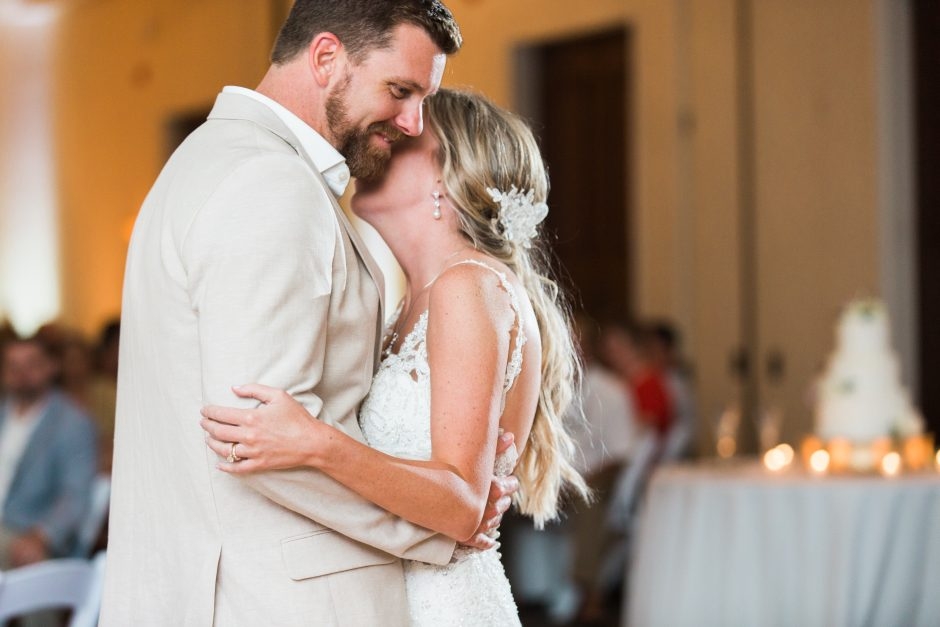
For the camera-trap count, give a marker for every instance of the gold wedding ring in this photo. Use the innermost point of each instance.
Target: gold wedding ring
(232, 457)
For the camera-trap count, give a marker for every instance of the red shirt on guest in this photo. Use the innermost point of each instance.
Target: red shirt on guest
(654, 407)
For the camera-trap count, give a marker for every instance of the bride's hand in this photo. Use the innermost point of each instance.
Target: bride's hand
(499, 500)
(279, 433)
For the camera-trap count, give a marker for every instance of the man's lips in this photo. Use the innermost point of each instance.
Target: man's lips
(388, 135)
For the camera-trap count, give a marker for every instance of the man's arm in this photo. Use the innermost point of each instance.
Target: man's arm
(259, 262)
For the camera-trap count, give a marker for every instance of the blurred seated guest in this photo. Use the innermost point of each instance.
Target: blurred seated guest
(7, 334)
(53, 336)
(76, 368)
(663, 348)
(623, 351)
(89, 377)
(47, 459)
(605, 435)
(101, 392)
(107, 349)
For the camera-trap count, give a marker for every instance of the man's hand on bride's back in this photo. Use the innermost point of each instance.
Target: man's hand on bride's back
(499, 500)
(279, 433)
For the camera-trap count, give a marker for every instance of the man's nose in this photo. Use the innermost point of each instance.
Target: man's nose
(411, 119)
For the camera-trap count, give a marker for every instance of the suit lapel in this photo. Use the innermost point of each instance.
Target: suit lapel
(374, 271)
(240, 107)
(39, 439)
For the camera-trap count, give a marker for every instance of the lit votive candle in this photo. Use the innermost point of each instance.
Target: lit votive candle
(819, 462)
(840, 454)
(891, 464)
(808, 446)
(775, 460)
(938, 461)
(916, 452)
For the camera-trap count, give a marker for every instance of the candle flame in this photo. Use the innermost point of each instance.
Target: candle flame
(819, 461)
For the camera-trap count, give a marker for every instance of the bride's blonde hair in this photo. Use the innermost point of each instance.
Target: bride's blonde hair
(483, 146)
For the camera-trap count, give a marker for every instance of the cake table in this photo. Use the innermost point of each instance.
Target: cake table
(736, 545)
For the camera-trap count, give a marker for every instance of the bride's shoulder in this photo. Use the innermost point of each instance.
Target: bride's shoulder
(476, 283)
(478, 274)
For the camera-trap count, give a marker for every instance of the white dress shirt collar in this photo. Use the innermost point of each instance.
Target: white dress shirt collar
(329, 161)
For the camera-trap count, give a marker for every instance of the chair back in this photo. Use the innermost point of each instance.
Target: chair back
(94, 521)
(74, 584)
(629, 487)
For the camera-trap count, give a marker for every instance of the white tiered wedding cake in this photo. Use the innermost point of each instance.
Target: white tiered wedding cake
(860, 396)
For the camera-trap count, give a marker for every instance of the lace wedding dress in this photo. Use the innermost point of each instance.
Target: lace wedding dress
(396, 418)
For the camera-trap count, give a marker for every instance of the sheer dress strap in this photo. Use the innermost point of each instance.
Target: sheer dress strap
(514, 367)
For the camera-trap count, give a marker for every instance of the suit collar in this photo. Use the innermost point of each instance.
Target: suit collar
(328, 161)
(43, 430)
(51, 399)
(237, 106)
(45, 424)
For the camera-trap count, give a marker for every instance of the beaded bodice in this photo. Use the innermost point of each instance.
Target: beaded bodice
(396, 416)
(471, 591)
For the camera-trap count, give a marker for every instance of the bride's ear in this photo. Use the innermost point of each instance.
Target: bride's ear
(324, 57)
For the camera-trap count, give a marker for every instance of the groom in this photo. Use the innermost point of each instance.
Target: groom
(243, 268)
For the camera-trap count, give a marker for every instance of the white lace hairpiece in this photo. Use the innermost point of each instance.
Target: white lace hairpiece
(518, 214)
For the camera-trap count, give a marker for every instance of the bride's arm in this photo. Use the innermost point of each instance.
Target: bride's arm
(468, 345)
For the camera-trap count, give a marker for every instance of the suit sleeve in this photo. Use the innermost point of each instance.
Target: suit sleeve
(259, 264)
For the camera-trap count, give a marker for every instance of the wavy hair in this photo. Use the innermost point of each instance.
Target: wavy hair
(483, 146)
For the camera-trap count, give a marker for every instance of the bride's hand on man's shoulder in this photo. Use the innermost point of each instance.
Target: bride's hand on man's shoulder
(274, 435)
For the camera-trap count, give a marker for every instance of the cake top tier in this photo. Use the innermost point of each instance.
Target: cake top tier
(864, 327)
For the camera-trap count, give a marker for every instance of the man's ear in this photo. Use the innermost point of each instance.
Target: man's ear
(324, 57)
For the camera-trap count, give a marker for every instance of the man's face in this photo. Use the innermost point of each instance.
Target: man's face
(380, 99)
(27, 371)
(407, 181)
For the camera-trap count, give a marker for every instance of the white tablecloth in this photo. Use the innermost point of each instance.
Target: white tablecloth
(738, 546)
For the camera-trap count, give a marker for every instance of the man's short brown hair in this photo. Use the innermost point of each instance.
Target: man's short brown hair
(363, 25)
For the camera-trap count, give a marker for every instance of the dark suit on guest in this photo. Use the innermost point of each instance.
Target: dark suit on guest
(52, 484)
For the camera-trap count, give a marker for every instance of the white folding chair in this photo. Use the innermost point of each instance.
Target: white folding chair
(629, 486)
(74, 584)
(625, 501)
(91, 527)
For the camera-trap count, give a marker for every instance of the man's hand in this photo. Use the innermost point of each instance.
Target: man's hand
(28, 548)
(499, 500)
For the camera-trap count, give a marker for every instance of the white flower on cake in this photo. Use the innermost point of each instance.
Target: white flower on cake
(861, 397)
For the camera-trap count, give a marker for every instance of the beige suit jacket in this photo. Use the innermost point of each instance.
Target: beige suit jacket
(243, 268)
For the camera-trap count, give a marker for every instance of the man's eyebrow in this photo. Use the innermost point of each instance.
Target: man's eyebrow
(410, 84)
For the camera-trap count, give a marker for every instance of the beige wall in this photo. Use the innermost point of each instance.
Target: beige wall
(813, 89)
(710, 274)
(817, 196)
(684, 202)
(127, 66)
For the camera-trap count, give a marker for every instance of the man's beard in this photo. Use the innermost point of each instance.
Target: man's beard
(365, 160)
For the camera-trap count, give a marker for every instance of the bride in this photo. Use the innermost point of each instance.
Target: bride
(479, 344)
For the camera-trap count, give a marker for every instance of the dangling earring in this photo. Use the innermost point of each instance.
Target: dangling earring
(437, 204)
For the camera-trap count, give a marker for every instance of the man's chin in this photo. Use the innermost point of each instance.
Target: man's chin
(368, 167)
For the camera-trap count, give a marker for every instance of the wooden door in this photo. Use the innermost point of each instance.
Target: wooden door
(581, 119)
(926, 21)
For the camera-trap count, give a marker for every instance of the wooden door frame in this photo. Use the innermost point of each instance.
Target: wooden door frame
(926, 50)
(527, 94)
